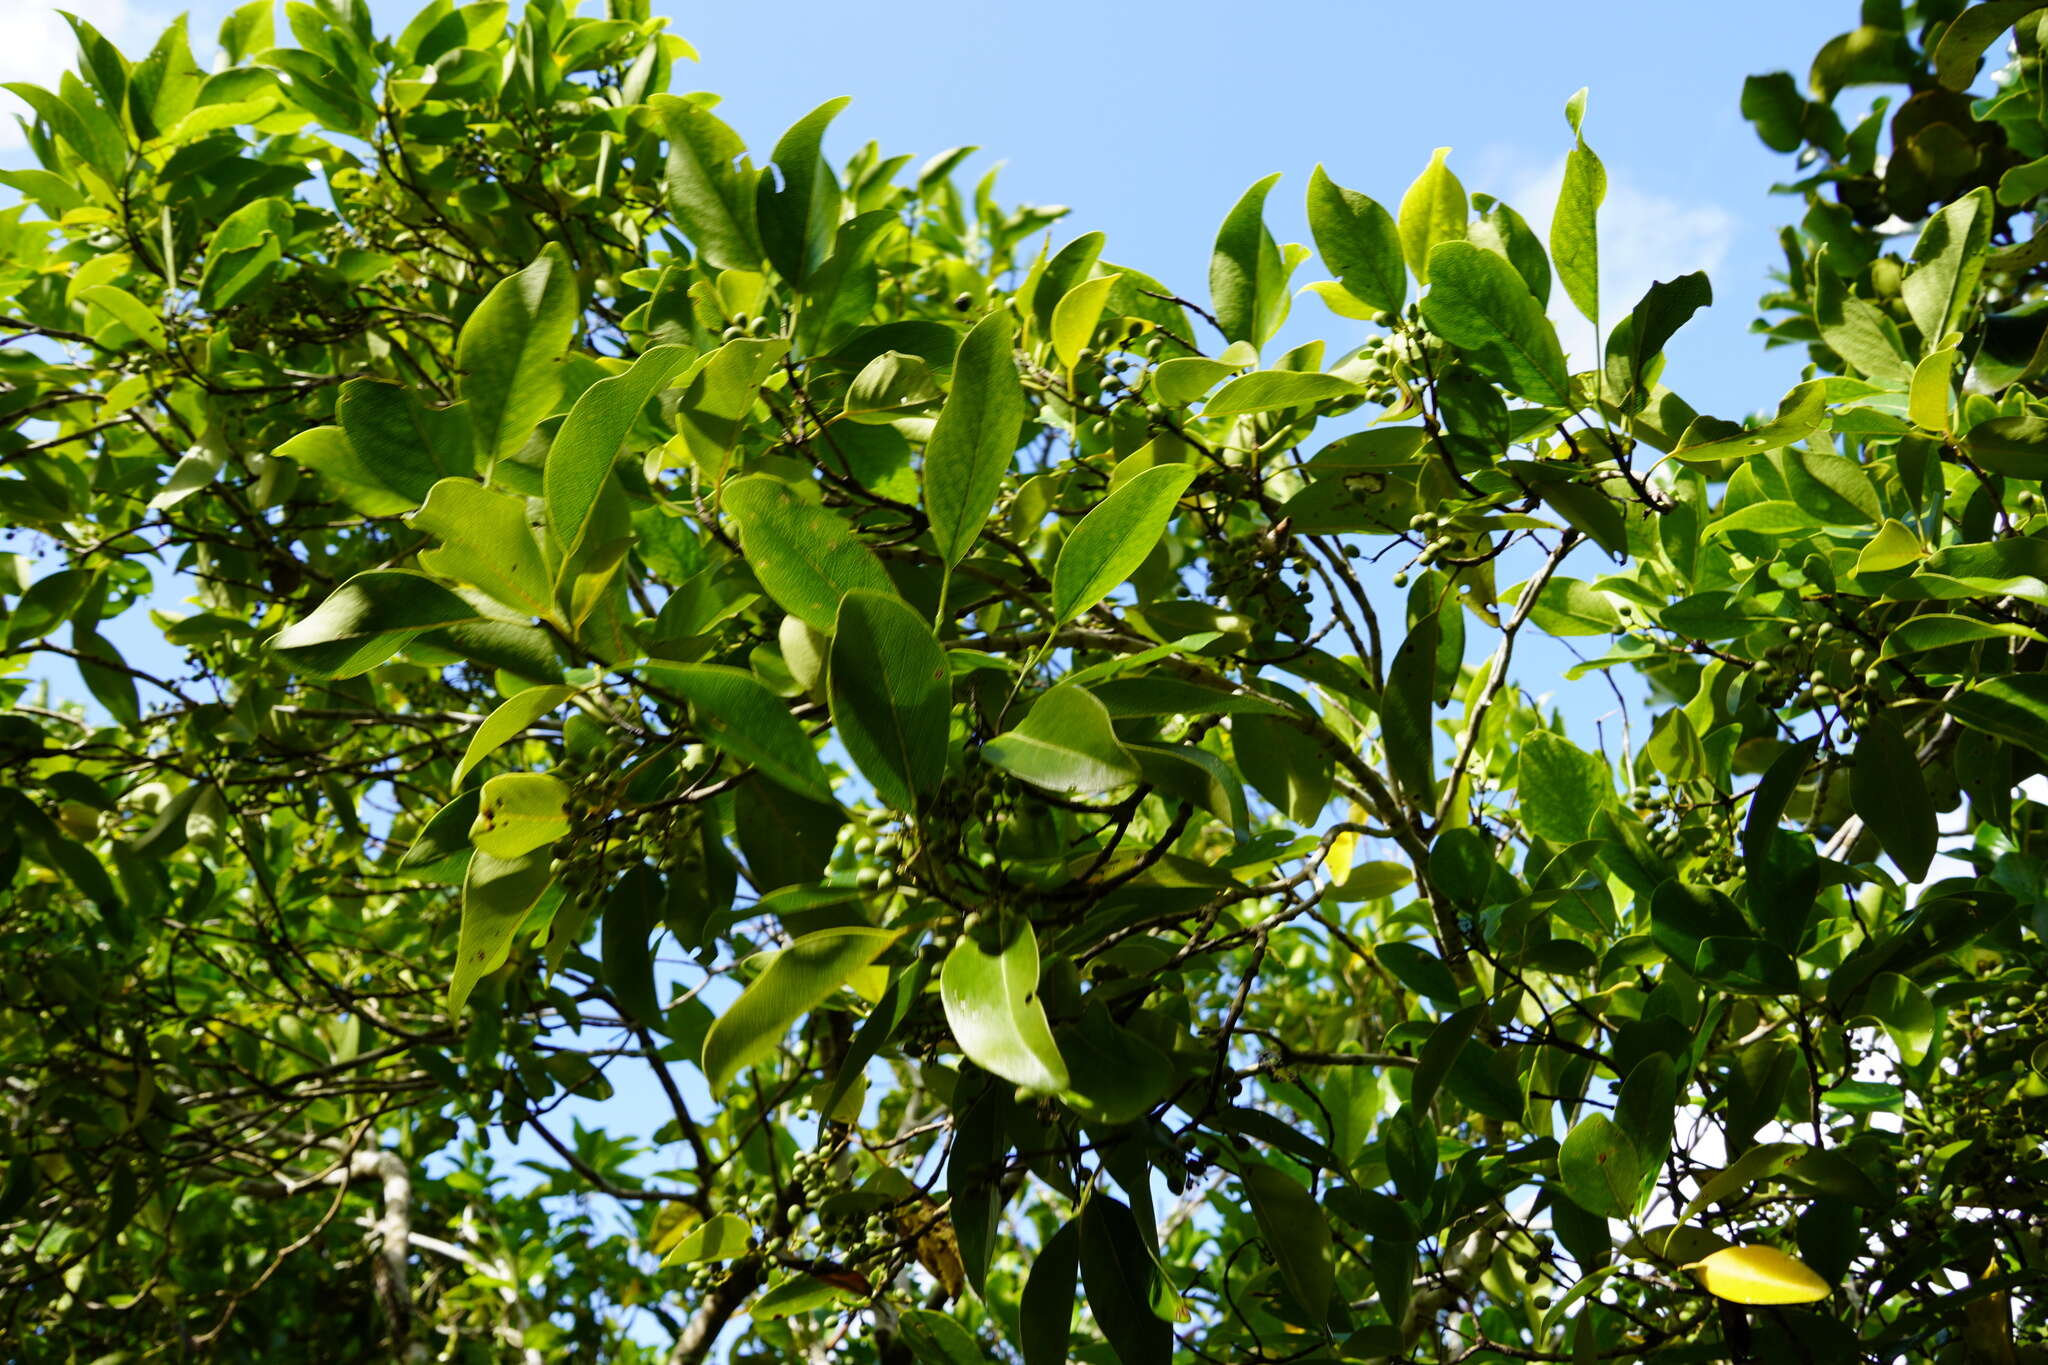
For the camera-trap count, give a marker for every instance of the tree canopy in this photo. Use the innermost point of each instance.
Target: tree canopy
(1045, 791)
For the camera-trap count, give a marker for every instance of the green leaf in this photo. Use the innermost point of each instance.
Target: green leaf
(1066, 745)
(1116, 1077)
(1855, 329)
(1184, 379)
(719, 394)
(1359, 242)
(1746, 966)
(797, 218)
(1283, 764)
(892, 696)
(2012, 706)
(1889, 790)
(1270, 389)
(1247, 275)
(506, 723)
(580, 459)
(1433, 211)
(520, 812)
(1115, 537)
(1799, 415)
(1967, 35)
(1893, 547)
(1939, 631)
(444, 836)
(1295, 1231)
(1928, 401)
(486, 542)
(1906, 1013)
(1600, 1167)
(632, 913)
(992, 1006)
(792, 982)
(937, 1339)
(1075, 316)
(1045, 1314)
(496, 894)
(735, 711)
(974, 438)
(244, 251)
(724, 1237)
(508, 356)
(805, 557)
(1407, 729)
(1116, 1272)
(366, 620)
(1574, 229)
(1419, 970)
(889, 386)
(712, 200)
(800, 1293)
(124, 308)
(1948, 264)
(1561, 787)
(1638, 339)
(406, 445)
(1477, 302)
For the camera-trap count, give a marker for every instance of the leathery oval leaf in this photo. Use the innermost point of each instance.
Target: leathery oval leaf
(1759, 1275)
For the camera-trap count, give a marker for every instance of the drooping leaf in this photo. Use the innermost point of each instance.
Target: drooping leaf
(366, 620)
(791, 983)
(737, 712)
(1116, 1273)
(1065, 744)
(496, 894)
(992, 1006)
(891, 696)
(506, 723)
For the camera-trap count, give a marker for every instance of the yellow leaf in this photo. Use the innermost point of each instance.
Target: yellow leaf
(1759, 1275)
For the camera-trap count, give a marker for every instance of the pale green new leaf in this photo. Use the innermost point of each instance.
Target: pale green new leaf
(1075, 316)
(1433, 211)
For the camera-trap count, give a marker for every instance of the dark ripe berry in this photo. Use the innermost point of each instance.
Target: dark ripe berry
(964, 302)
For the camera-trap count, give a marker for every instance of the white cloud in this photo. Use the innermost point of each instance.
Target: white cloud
(36, 45)
(1644, 238)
